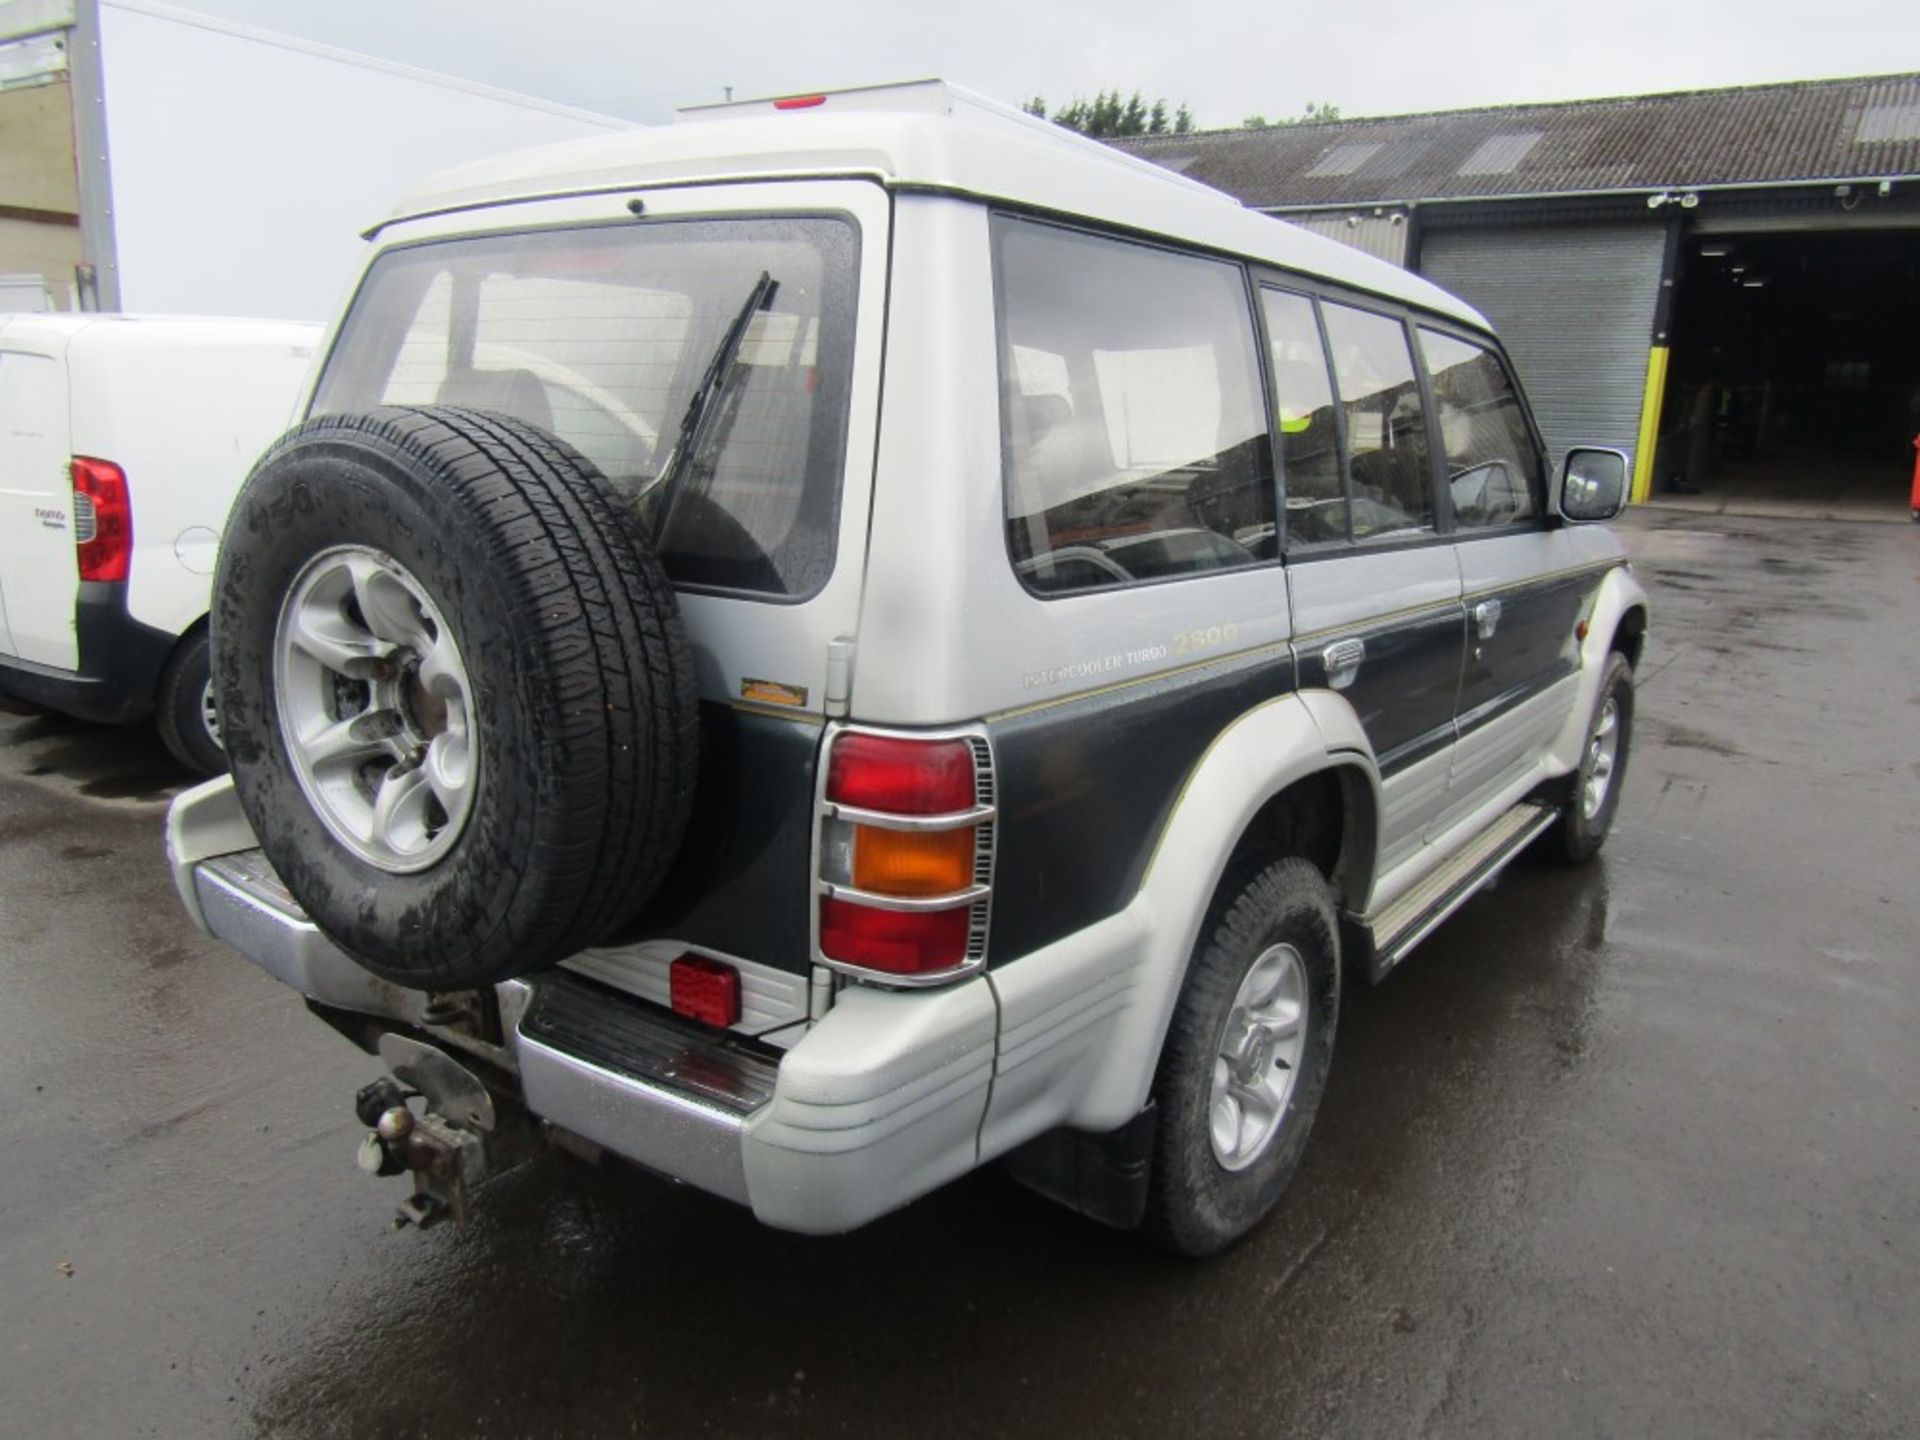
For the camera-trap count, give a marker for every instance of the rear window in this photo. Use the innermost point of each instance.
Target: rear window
(1133, 430)
(603, 334)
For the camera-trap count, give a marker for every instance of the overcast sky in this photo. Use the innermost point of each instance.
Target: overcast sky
(640, 60)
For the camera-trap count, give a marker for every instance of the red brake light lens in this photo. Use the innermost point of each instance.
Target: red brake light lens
(901, 777)
(894, 942)
(103, 519)
(799, 102)
(705, 989)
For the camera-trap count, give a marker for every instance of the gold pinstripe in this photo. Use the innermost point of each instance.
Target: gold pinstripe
(1275, 646)
(1371, 622)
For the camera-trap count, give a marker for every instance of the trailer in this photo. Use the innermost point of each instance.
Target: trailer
(157, 160)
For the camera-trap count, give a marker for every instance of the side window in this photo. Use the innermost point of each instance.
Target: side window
(1133, 433)
(1386, 431)
(1493, 471)
(1310, 477)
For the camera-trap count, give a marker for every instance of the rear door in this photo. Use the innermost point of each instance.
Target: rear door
(1522, 586)
(38, 572)
(1374, 585)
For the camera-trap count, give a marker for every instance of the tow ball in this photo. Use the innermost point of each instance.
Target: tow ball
(442, 1144)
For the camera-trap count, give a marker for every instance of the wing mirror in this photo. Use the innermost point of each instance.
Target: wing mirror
(1593, 484)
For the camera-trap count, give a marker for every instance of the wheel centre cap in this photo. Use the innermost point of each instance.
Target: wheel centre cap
(1255, 1055)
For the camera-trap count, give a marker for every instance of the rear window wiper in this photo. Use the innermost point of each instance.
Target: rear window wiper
(703, 410)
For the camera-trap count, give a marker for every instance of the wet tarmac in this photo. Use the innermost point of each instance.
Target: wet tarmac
(1632, 1149)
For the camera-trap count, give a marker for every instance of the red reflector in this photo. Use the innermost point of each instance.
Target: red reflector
(705, 990)
(799, 102)
(901, 777)
(896, 942)
(105, 552)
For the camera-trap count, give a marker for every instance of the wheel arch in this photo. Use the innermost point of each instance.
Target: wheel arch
(201, 626)
(1630, 634)
(1618, 620)
(1249, 789)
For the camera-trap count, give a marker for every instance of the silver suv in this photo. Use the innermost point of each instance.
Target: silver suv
(862, 635)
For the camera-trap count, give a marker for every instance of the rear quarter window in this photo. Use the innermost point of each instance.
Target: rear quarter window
(1133, 431)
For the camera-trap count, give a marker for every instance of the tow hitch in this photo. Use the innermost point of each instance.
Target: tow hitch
(444, 1144)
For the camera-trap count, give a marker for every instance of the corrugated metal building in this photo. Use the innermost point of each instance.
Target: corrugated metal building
(1726, 282)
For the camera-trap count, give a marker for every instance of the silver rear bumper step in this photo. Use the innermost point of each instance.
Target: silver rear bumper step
(600, 1064)
(243, 903)
(644, 1084)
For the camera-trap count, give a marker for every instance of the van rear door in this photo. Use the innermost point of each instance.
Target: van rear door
(39, 576)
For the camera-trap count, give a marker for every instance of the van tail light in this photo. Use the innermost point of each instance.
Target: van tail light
(906, 856)
(102, 519)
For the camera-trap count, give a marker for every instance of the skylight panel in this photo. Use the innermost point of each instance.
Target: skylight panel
(1888, 122)
(1345, 159)
(1501, 154)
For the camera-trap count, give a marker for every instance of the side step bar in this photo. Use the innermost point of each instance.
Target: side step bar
(1418, 913)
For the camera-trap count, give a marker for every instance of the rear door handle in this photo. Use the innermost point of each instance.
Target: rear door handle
(1342, 659)
(1486, 618)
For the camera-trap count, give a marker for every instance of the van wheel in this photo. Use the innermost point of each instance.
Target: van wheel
(456, 695)
(1592, 796)
(185, 711)
(1246, 1059)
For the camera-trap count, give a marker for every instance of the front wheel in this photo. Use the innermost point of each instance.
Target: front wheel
(1593, 791)
(1246, 1059)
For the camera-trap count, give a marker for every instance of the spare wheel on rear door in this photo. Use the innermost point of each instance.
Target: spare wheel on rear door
(457, 698)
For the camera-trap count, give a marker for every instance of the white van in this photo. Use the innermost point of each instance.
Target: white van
(122, 442)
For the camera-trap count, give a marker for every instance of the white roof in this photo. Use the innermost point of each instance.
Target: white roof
(922, 135)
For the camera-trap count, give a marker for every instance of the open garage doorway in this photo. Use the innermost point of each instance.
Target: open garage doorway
(1794, 378)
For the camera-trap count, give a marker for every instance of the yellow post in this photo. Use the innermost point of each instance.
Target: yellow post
(1649, 424)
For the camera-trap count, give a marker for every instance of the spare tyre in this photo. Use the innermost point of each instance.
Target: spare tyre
(457, 698)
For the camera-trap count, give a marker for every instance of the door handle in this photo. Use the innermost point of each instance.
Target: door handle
(1486, 618)
(1342, 659)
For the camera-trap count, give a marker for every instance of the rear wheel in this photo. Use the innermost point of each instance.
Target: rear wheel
(457, 699)
(185, 710)
(1246, 1059)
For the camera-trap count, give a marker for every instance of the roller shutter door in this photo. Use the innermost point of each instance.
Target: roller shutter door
(1383, 236)
(1575, 305)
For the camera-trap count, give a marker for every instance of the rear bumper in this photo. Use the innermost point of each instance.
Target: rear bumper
(880, 1102)
(120, 663)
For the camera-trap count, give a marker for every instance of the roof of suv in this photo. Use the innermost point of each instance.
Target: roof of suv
(923, 135)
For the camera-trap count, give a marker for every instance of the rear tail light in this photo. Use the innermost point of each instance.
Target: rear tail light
(906, 777)
(906, 856)
(102, 519)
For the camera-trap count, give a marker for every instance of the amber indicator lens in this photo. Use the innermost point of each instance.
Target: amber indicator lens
(912, 863)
